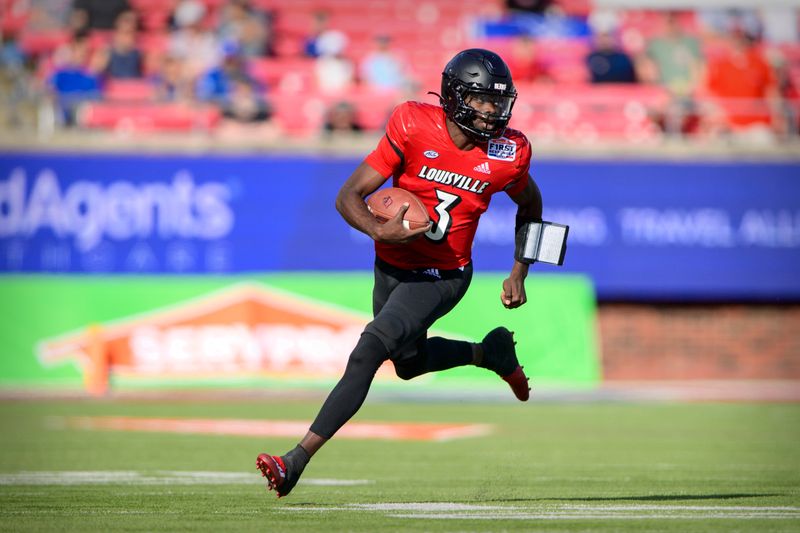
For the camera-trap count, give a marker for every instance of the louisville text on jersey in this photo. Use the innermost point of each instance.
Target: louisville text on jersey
(459, 181)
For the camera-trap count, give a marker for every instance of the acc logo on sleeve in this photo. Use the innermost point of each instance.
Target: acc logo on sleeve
(502, 149)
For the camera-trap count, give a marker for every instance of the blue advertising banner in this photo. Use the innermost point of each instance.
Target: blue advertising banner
(641, 230)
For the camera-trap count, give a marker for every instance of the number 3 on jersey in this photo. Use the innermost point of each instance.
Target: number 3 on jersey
(447, 202)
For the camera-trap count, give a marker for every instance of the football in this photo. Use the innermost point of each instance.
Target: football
(384, 204)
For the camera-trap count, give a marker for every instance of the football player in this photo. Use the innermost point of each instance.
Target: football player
(454, 157)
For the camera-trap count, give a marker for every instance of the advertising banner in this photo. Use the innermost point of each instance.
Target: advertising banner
(272, 330)
(639, 229)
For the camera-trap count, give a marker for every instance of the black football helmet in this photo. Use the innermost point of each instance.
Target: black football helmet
(478, 75)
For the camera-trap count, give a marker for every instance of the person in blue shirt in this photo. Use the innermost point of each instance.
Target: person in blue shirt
(608, 63)
(216, 84)
(73, 82)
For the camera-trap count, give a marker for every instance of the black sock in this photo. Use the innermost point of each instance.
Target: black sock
(446, 353)
(433, 355)
(297, 457)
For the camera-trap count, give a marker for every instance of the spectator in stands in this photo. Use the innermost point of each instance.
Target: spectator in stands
(172, 82)
(781, 24)
(251, 28)
(12, 59)
(123, 59)
(74, 81)
(789, 95)
(319, 28)
(127, 21)
(724, 21)
(14, 78)
(244, 103)
(530, 6)
(676, 62)
(676, 57)
(383, 69)
(745, 90)
(774, 23)
(197, 47)
(608, 63)
(98, 14)
(525, 63)
(341, 118)
(216, 85)
(248, 114)
(333, 71)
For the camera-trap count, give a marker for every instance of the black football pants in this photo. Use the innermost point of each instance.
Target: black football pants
(405, 304)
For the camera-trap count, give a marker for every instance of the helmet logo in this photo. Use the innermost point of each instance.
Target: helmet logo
(500, 86)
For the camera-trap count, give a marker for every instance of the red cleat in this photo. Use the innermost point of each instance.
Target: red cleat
(519, 384)
(274, 469)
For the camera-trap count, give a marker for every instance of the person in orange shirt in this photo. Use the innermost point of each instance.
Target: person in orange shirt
(743, 87)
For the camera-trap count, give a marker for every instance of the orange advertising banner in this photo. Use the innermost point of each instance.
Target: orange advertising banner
(245, 329)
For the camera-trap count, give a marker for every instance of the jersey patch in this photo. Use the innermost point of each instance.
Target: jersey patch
(431, 154)
(502, 149)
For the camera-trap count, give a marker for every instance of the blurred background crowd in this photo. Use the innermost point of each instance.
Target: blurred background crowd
(587, 71)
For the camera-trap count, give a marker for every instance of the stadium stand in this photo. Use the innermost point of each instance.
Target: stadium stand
(561, 105)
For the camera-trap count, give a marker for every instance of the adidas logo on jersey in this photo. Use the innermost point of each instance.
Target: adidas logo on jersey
(483, 167)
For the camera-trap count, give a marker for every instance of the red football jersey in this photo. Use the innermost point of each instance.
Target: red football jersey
(455, 185)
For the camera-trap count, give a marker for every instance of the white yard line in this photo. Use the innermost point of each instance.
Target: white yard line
(594, 516)
(554, 511)
(433, 507)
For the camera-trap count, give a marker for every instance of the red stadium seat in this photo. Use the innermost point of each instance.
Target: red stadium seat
(43, 43)
(100, 38)
(790, 52)
(153, 42)
(155, 20)
(299, 115)
(149, 117)
(374, 107)
(577, 8)
(129, 91)
(11, 20)
(146, 5)
(283, 73)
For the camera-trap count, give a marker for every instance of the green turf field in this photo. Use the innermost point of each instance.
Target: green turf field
(545, 467)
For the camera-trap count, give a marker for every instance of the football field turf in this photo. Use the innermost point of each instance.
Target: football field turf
(538, 467)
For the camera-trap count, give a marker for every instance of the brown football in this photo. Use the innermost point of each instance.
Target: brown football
(384, 204)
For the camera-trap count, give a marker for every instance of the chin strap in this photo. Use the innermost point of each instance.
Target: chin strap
(439, 96)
